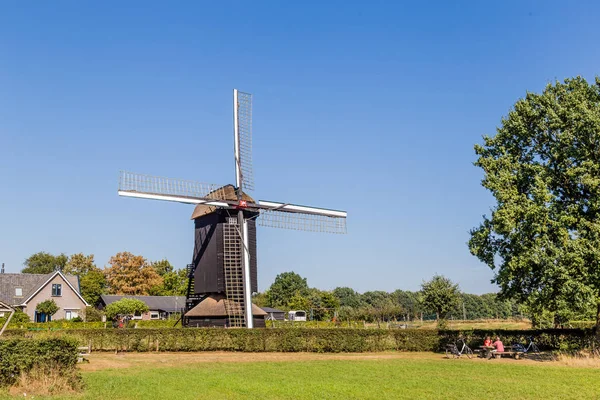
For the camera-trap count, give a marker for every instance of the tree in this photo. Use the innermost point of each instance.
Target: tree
(92, 285)
(298, 302)
(323, 304)
(131, 275)
(260, 299)
(125, 307)
(162, 267)
(439, 295)
(79, 264)
(285, 286)
(543, 168)
(92, 282)
(347, 297)
(48, 307)
(174, 284)
(44, 263)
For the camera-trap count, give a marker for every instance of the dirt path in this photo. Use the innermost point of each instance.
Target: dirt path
(100, 361)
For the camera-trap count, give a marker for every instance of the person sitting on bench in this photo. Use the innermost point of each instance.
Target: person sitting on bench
(487, 342)
(498, 345)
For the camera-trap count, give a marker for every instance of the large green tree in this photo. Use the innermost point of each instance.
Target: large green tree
(347, 297)
(92, 281)
(44, 263)
(440, 295)
(542, 238)
(285, 286)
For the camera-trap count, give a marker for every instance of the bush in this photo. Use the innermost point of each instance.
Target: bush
(51, 355)
(18, 318)
(93, 315)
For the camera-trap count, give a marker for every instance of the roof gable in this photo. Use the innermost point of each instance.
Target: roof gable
(50, 277)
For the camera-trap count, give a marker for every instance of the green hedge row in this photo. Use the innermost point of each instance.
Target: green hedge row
(308, 340)
(63, 324)
(18, 356)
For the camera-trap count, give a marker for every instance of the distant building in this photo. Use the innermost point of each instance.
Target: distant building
(298, 315)
(26, 291)
(160, 307)
(274, 314)
(212, 312)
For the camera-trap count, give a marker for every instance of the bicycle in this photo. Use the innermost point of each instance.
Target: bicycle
(531, 347)
(453, 352)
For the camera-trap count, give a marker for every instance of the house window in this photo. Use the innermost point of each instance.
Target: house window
(68, 315)
(154, 315)
(56, 289)
(18, 292)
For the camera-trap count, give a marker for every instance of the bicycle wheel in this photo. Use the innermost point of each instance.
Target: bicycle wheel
(534, 348)
(449, 353)
(469, 352)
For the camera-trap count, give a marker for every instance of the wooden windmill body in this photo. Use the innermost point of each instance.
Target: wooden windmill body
(223, 272)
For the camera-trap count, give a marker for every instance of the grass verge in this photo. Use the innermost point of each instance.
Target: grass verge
(384, 376)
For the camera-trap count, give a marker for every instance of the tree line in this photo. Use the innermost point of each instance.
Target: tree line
(439, 299)
(125, 274)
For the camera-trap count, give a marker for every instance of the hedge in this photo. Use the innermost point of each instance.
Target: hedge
(308, 340)
(19, 356)
(64, 324)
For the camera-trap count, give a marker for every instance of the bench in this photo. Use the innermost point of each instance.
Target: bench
(83, 352)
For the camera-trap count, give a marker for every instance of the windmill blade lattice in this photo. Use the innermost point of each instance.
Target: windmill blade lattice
(245, 139)
(131, 182)
(302, 221)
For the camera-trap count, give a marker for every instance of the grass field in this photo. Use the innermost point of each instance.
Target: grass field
(183, 376)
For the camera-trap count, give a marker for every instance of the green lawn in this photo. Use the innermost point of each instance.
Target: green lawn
(402, 378)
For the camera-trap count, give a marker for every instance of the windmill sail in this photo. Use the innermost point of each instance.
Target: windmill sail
(242, 115)
(303, 218)
(132, 184)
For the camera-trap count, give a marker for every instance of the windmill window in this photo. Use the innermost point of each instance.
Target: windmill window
(18, 292)
(56, 289)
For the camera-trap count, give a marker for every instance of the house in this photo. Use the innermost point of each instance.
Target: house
(160, 307)
(26, 291)
(274, 314)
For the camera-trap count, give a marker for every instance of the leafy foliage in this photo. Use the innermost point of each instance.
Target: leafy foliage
(440, 295)
(162, 267)
(286, 286)
(542, 167)
(44, 263)
(92, 314)
(347, 297)
(19, 356)
(48, 307)
(125, 306)
(129, 274)
(314, 340)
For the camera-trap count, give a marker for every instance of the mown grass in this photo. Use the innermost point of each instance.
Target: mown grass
(410, 378)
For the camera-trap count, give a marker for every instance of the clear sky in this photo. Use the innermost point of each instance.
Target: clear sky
(371, 107)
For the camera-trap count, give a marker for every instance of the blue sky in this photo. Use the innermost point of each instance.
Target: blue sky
(371, 107)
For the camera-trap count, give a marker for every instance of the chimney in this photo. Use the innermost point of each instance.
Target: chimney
(2, 271)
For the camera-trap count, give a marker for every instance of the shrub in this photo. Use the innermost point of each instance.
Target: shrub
(125, 306)
(48, 307)
(93, 315)
(19, 357)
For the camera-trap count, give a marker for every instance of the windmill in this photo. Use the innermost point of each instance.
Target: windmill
(224, 269)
